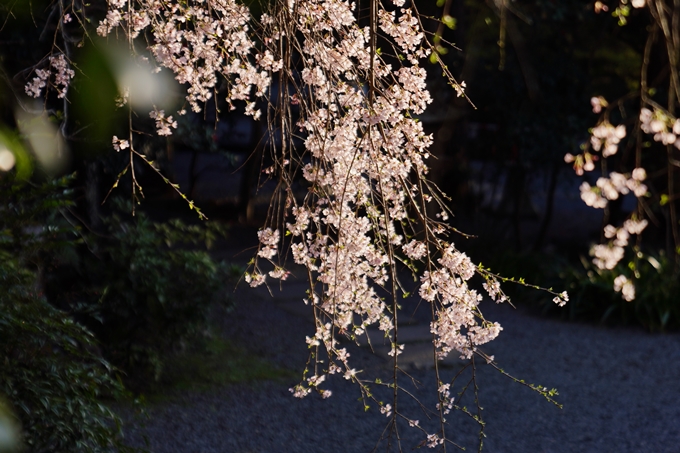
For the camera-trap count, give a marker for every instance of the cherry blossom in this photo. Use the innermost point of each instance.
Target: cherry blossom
(356, 141)
(59, 69)
(625, 287)
(606, 138)
(561, 299)
(664, 128)
(119, 144)
(163, 123)
(598, 103)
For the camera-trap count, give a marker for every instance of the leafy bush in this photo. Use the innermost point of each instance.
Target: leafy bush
(31, 223)
(52, 371)
(137, 286)
(655, 306)
(139, 292)
(591, 290)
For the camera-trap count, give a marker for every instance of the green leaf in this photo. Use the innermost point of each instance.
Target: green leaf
(449, 21)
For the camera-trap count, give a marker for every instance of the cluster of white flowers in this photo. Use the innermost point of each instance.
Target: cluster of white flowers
(561, 299)
(610, 188)
(607, 256)
(367, 155)
(300, 391)
(163, 123)
(446, 399)
(405, 31)
(582, 162)
(254, 279)
(386, 410)
(625, 287)
(606, 138)
(598, 103)
(269, 239)
(664, 128)
(591, 196)
(634, 226)
(365, 164)
(35, 86)
(433, 440)
(493, 288)
(415, 249)
(62, 72)
(119, 144)
(199, 41)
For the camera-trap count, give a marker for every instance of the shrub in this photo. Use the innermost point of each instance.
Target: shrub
(52, 372)
(593, 297)
(655, 306)
(139, 291)
(591, 290)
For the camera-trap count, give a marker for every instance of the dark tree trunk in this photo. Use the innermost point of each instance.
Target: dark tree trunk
(93, 196)
(246, 208)
(549, 205)
(192, 175)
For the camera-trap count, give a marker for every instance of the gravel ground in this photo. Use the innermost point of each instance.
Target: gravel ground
(620, 390)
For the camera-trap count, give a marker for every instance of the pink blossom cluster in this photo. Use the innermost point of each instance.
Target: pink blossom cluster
(605, 138)
(493, 288)
(199, 42)
(364, 161)
(134, 20)
(366, 170)
(62, 73)
(582, 162)
(623, 285)
(662, 126)
(446, 399)
(607, 256)
(405, 31)
(270, 243)
(610, 188)
(163, 123)
(561, 299)
(598, 103)
(433, 440)
(120, 144)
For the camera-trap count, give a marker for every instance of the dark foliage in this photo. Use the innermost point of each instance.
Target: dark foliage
(52, 372)
(139, 291)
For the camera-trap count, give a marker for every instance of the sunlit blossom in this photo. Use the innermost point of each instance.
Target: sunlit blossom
(623, 285)
(119, 144)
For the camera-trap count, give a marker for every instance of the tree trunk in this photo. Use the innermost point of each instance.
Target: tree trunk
(549, 205)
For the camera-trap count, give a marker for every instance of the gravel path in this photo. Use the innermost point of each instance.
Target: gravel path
(620, 389)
